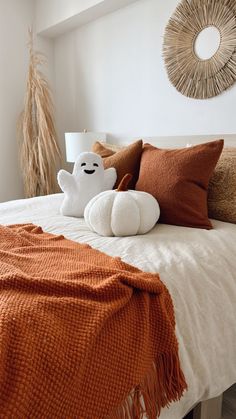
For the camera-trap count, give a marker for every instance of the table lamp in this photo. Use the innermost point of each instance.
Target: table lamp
(78, 142)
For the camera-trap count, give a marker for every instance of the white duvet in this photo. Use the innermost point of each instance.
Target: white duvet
(199, 269)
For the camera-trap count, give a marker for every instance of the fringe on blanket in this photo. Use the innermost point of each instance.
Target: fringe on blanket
(163, 384)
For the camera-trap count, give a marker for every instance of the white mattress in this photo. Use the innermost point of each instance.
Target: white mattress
(199, 269)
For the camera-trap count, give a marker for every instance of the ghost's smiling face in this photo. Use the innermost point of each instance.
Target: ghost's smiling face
(88, 165)
(89, 171)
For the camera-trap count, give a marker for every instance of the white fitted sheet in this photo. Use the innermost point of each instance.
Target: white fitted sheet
(199, 269)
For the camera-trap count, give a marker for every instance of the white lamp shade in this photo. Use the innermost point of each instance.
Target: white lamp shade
(78, 142)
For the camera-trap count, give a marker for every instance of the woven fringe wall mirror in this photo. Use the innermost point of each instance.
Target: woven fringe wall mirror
(191, 75)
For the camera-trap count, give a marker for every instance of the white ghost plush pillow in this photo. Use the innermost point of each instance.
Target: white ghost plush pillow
(88, 179)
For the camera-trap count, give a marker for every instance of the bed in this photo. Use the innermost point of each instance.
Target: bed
(197, 266)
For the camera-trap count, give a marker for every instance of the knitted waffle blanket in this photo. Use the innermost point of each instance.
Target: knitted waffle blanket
(82, 335)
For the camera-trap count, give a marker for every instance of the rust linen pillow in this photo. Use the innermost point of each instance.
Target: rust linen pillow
(222, 188)
(125, 161)
(179, 179)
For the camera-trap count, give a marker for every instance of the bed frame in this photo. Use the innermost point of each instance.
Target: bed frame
(212, 408)
(177, 141)
(209, 409)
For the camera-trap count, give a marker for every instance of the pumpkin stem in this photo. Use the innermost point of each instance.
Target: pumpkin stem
(123, 185)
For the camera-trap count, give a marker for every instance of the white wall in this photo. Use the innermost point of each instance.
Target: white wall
(54, 17)
(110, 77)
(52, 12)
(16, 16)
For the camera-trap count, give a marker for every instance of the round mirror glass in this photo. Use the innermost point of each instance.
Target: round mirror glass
(207, 43)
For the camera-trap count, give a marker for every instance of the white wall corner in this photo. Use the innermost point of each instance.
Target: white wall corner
(56, 17)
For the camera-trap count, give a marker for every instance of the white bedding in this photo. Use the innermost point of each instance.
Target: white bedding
(199, 269)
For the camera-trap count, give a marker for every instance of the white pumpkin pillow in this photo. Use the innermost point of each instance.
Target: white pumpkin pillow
(122, 212)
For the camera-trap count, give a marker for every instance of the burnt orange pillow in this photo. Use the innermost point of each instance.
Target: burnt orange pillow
(125, 161)
(179, 179)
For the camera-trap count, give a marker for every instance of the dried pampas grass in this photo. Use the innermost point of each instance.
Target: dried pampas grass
(190, 75)
(39, 150)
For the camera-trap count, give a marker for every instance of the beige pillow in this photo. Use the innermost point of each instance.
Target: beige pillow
(222, 188)
(112, 147)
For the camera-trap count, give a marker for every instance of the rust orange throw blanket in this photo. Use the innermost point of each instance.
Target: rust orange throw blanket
(82, 335)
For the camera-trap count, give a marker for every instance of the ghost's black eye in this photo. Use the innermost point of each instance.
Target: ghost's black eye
(95, 164)
(83, 164)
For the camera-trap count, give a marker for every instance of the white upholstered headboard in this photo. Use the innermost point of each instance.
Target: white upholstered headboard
(179, 141)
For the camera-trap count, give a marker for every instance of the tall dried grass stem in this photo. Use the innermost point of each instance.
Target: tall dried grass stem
(39, 150)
